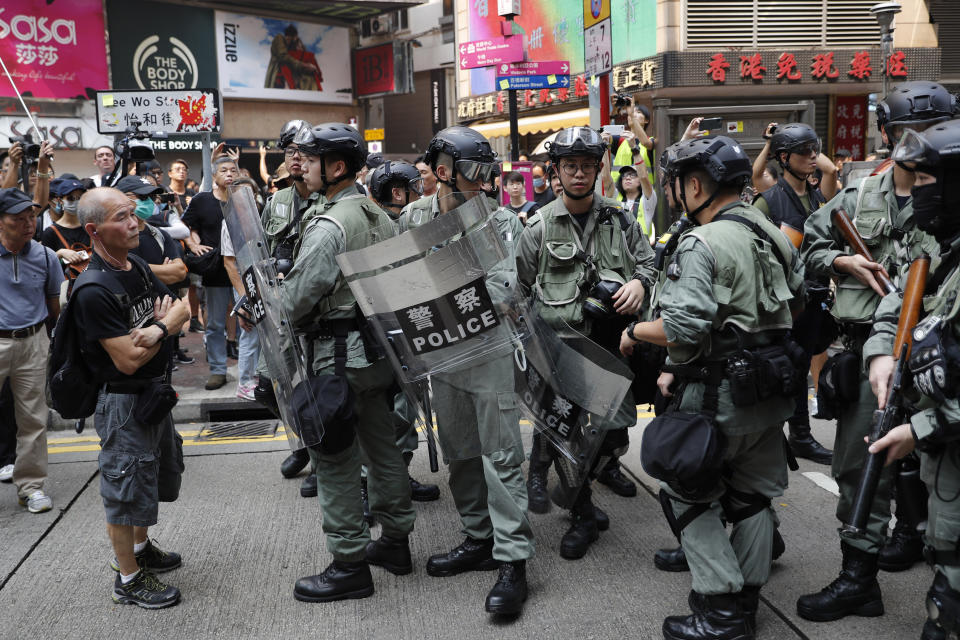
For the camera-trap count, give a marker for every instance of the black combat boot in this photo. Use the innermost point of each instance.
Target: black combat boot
(903, 549)
(749, 604)
(365, 501)
(294, 463)
(671, 560)
(339, 581)
(510, 591)
(583, 530)
(472, 555)
(393, 554)
(423, 492)
(308, 488)
(613, 477)
(719, 618)
(804, 445)
(854, 592)
(932, 631)
(943, 609)
(537, 499)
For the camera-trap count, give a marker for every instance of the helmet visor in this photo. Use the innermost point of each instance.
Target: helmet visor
(416, 185)
(476, 171)
(911, 150)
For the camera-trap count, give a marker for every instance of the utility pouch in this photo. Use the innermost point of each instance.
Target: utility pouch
(839, 384)
(154, 403)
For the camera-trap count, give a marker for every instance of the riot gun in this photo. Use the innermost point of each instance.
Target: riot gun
(894, 411)
(842, 222)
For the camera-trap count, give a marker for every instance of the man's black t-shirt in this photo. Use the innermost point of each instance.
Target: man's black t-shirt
(182, 197)
(544, 198)
(205, 216)
(149, 248)
(99, 315)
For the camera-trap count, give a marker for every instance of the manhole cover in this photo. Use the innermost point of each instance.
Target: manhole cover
(245, 429)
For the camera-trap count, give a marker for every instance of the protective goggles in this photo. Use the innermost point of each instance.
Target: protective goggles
(474, 171)
(807, 148)
(416, 185)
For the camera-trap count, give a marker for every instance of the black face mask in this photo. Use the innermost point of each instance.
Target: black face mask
(931, 211)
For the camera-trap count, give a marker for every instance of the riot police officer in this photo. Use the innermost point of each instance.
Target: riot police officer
(318, 299)
(477, 404)
(934, 362)
(882, 212)
(588, 267)
(283, 220)
(723, 319)
(789, 203)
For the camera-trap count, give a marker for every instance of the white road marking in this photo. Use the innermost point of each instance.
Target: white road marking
(823, 481)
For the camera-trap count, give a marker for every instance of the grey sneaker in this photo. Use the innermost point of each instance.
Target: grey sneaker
(145, 591)
(37, 502)
(154, 559)
(6, 473)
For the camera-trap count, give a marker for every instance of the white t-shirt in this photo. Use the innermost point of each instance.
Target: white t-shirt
(226, 245)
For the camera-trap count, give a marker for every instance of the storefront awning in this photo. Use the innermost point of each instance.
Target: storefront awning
(536, 124)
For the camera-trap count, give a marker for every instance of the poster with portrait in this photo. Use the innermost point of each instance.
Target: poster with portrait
(269, 58)
(53, 49)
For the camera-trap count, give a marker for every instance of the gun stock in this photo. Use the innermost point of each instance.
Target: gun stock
(842, 222)
(795, 237)
(892, 413)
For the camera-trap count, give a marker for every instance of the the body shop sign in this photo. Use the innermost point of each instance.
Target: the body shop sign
(53, 49)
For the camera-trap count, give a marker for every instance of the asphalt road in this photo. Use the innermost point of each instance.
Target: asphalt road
(246, 535)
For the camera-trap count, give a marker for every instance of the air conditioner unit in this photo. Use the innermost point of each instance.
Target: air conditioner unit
(382, 25)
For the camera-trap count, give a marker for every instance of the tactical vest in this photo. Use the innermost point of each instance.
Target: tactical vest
(749, 284)
(786, 207)
(893, 248)
(359, 231)
(281, 211)
(567, 268)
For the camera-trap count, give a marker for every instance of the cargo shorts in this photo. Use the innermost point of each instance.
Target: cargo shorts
(140, 465)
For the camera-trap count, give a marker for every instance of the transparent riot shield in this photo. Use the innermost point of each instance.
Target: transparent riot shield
(281, 348)
(568, 385)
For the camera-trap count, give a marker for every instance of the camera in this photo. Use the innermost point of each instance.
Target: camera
(135, 146)
(622, 99)
(168, 198)
(31, 150)
(599, 303)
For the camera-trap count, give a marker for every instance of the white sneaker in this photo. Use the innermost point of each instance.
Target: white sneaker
(37, 502)
(6, 473)
(814, 407)
(245, 391)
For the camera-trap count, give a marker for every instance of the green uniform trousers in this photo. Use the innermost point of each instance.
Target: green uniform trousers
(849, 456)
(405, 431)
(941, 473)
(338, 475)
(721, 563)
(478, 427)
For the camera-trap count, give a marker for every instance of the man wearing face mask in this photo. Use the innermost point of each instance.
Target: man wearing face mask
(321, 304)
(882, 211)
(477, 404)
(609, 258)
(156, 247)
(934, 157)
(542, 193)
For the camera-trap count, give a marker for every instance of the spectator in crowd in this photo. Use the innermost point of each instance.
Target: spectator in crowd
(105, 161)
(516, 189)
(204, 218)
(841, 157)
(156, 247)
(429, 179)
(637, 194)
(126, 348)
(66, 236)
(555, 185)
(177, 174)
(8, 433)
(30, 280)
(542, 193)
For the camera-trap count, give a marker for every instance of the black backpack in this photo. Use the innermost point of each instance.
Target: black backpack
(72, 388)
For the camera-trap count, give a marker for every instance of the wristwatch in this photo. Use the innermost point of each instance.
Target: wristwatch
(630, 328)
(163, 327)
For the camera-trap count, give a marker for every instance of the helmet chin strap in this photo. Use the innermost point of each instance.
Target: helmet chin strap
(786, 167)
(692, 215)
(323, 177)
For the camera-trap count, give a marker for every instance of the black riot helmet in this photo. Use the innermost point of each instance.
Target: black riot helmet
(720, 157)
(473, 157)
(575, 141)
(912, 103)
(334, 137)
(392, 174)
(936, 151)
(795, 137)
(289, 131)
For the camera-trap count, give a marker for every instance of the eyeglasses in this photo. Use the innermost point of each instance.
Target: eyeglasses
(475, 171)
(571, 168)
(291, 151)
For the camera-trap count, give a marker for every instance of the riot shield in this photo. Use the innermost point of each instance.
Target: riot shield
(568, 385)
(281, 348)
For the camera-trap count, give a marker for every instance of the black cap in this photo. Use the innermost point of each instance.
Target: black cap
(138, 186)
(374, 160)
(64, 186)
(14, 201)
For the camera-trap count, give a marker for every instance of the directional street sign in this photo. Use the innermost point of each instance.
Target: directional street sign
(484, 53)
(532, 82)
(553, 67)
(597, 49)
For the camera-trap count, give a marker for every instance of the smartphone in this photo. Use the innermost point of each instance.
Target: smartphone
(711, 124)
(168, 198)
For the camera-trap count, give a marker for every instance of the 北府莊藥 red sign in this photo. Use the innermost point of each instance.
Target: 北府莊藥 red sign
(53, 50)
(484, 53)
(850, 123)
(373, 70)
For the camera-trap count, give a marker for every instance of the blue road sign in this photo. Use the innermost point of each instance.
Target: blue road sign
(532, 82)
